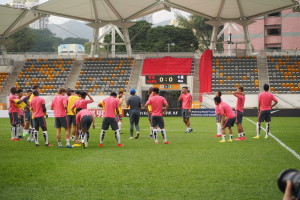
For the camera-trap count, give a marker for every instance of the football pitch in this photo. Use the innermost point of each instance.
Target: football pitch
(193, 166)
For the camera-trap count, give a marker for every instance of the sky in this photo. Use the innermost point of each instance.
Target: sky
(157, 17)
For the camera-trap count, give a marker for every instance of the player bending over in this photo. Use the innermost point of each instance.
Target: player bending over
(157, 103)
(110, 105)
(228, 118)
(264, 107)
(84, 119)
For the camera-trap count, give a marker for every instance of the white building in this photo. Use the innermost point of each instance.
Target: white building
(70, 49)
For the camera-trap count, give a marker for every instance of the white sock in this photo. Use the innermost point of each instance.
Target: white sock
(267, 129)
(164, 134)
(102, 135)
(243, 134)
(36, 137)
(224, 137)
(151, 130)
(68, 142)
(59, 143)
(258, 129)
(117, 136)
(219, 129)
(230, 136)
(155, 134)
(13, 132)
(85, 140)
(45, 134)
(120, 125)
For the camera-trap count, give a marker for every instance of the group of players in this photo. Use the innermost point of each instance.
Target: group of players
(27, 114)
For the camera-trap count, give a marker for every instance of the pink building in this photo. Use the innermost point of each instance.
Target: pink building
(277, 31)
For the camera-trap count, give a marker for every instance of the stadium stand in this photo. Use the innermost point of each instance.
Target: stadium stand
(3, 79)
(49, 74)
(103, 75)
(284, 73)
(228, 72)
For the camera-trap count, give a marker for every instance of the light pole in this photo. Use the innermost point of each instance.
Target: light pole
(172, 44)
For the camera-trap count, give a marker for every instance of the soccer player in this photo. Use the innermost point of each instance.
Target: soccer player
(13, 113)
(157, 103)
(59, 105)
(71, 118)
(37, 105)
(28, 131)
(110, 105)
(20, 107)
(239, 111)
(186, 101)
(149, 95)
(134, 103)
(119, 116)
(226, 112)
(84, 118)
(264, 107)
(218, 117)
(82, 102)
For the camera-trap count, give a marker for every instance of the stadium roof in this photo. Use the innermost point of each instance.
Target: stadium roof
(125, 10)
(12, 19)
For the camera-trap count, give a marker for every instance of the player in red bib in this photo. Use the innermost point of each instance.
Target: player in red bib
(228, 118)
(264, 107)
(239, 111)
(157, 103)
(13, 113)
(84, 119)
(186, 101)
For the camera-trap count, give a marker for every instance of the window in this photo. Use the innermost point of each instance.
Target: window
(273, 31)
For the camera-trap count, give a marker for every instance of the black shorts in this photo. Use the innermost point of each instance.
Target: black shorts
(21, 119)
(185, 113)
(86, 122)
(109, 121)
(158, 121)
(239, 117)
(61, 122)
(71, 119)
(264, 116)
(14, 120)
(39, 122)
(218, 118)
(27, 116)
(229, 122)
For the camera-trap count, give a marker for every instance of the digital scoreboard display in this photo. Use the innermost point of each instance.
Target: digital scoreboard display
(166, 79)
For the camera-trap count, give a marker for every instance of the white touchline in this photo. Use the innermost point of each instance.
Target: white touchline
(279, 141)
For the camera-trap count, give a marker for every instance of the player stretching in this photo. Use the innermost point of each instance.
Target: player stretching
(119, 116)
(59, 105)
(84, 118)
(13, 113)
(71, 119)
(82, 102)
(264, 107)
(239, 111)
(38, 107)
(218, 117)
(157, 103)
(226, 112)
(110, 105)
(186, 101)
(134, 103)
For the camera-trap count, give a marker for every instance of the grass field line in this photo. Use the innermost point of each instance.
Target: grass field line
(279, 141)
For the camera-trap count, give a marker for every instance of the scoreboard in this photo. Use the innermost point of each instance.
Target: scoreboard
(166, 79)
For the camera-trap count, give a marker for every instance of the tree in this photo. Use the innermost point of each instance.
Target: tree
(21, 41)
(201, 30)
(70, 40)
(45, 41)
(137, 34)
(159, 37)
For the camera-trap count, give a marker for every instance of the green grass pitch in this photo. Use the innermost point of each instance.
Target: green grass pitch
(192, 166)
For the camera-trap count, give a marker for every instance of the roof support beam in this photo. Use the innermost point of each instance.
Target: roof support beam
(15, 22)
(95, 10)
(220, 8)
(113, 9)
(135, 15)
